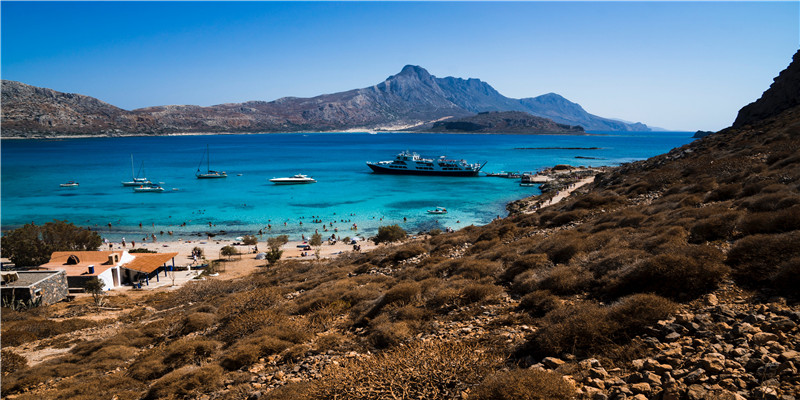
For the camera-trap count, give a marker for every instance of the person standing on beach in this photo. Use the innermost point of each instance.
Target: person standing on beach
(123, 242)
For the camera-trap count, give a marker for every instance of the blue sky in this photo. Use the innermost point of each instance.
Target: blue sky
(683, 66)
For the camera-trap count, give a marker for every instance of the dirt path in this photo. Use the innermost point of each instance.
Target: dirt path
(564, 193)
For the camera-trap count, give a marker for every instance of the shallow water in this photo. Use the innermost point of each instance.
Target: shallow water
(346, 193)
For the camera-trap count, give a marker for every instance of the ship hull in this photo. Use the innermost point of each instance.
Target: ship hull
(384, 170)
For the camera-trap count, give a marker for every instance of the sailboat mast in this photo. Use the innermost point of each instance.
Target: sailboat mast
(132, 175)
(208, 153)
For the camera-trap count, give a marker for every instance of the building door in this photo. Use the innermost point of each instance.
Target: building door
(115, 276)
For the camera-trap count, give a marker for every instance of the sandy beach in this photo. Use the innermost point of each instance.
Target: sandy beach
(211, 249)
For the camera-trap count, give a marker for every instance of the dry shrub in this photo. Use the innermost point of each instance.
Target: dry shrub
(497, 229)
(109, 357)
(38, 374)
(15, 333)
(187, 382)
(723, 192)
(197, 321)
(203, 291)
(245, 324)
(485, 246)
(594, 200)
(524, 384)
(687, 273)
(668, 240)
(561, 246)
(475, 292)
(11, 362)
(148, 367)
(109, 386)
(385, 333)
(525, 263)
(784, 220)
(539, 302)
(613, 259)
(408, 251)
(755, 259)
(434, 370)
(189, 351)
(565, 279)
(553, 219)
(771, 201)
(787, 277)
(402, 293)
(717, 227)
(411, 313)
(247, 352)
(249, 300)
(588, 328)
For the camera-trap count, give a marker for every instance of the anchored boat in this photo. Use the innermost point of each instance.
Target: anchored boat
(408, 163)
(293, 180)
(209, 174)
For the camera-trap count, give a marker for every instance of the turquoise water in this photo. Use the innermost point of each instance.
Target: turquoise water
(346, 193)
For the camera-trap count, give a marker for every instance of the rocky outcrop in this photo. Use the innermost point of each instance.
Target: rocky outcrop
(409, 98)
(783, 94)
(723, 346)
(516, 122)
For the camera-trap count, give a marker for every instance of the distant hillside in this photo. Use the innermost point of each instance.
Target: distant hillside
(502, 122)
(410, 98)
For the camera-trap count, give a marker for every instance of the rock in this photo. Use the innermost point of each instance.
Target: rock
(697, 375)
(598, 373)
(714, 363)
(790, 355)
(652, 378)
(710, 299)
(640, 397)
(552, 362)
(671, 337)
(764, 337)
(642, 387)
(696, 392)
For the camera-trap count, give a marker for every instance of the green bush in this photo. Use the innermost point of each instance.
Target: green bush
(249, 240)
(524, 384)
(387, 234)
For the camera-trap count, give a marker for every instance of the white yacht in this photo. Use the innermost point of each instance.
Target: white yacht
(293, 180)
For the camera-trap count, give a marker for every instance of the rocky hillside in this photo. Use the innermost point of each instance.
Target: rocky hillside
(672, 278)
(783, 94)
(411, 97)
(515, 122)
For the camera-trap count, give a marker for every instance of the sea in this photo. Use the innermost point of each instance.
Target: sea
(347, 200)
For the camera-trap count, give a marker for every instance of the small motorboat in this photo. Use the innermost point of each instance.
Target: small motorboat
(438, 210)
(293, 180)
(151, 188)
(70, 184)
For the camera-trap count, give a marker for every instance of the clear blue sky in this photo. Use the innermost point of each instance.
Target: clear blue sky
(682, 66)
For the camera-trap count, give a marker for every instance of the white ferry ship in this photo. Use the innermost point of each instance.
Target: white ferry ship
(408, 163)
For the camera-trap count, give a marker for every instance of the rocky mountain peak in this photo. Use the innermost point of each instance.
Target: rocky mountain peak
(414, 71)
(784, 93)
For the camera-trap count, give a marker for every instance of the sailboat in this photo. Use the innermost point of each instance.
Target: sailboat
(209, 174)
(136, 180)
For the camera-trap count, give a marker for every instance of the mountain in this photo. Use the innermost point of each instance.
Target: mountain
(502, 122)
(410, 98)
(783, 94)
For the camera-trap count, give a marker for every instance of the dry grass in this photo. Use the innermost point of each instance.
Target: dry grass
(434, 370)
(524, 384)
